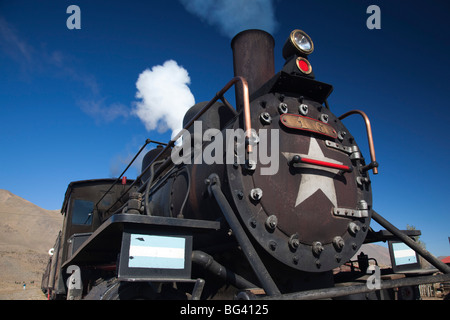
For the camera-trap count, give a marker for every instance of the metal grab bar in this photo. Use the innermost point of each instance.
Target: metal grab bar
(373, 165)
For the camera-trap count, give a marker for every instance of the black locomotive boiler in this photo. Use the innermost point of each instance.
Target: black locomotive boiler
(265, 200)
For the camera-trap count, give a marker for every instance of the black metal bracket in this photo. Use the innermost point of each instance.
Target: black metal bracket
(368, 167)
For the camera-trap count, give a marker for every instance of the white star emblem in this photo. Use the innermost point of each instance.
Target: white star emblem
(310, 182)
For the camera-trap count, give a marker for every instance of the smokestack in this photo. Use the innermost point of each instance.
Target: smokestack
(253, 59)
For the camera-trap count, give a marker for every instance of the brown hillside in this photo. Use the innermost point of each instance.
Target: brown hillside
(27, 232)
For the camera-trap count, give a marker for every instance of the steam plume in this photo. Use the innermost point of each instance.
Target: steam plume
(234, 16)
(165, 97)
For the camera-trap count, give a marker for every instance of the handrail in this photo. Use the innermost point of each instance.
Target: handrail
(373, 165)
(129, 165)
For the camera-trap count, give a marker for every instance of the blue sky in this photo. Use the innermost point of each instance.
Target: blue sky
(66, 96)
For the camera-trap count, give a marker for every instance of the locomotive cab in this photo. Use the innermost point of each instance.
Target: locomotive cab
(87, 204)
(83, 214)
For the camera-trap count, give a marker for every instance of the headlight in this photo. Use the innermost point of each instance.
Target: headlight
(302, 41)
(298, 43)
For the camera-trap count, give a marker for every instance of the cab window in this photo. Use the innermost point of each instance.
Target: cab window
(82, 212)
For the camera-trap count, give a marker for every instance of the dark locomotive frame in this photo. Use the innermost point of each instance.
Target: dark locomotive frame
(226, 241)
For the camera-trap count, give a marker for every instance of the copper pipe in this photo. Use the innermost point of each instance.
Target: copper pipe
(369, 134)
(247, 117)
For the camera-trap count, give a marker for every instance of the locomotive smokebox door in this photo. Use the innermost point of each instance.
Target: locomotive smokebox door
(312, 214)
(153, 256)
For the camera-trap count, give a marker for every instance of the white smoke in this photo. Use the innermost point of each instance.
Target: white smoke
(165, 97)
(234, 16)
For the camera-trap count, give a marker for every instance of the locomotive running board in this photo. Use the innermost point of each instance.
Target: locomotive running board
(105, 243)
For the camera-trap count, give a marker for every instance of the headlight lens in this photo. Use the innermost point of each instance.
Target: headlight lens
(302, 42)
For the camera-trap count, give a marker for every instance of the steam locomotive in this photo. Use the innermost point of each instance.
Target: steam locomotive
(267, 200)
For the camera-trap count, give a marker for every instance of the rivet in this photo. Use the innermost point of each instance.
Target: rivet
(256, 194)
(341, 135)
(317, 248)
(272, 245)
(265, 118)
(303, 109)
(353, 228)
(272, 222)
(338, 243)
(294, 242)
(282, 108)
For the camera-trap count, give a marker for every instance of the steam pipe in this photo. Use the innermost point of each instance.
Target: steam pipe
(207, 262)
